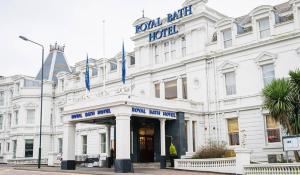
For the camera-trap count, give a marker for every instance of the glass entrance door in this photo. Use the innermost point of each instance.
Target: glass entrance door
(146, 143)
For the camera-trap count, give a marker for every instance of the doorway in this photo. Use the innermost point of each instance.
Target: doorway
(146, 144)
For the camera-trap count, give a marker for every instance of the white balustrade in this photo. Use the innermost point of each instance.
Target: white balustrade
(273, 169)
(221, 165)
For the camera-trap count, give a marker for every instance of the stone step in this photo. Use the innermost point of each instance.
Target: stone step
(155, 165)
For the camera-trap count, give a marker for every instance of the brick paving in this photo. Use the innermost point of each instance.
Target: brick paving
(28, 170)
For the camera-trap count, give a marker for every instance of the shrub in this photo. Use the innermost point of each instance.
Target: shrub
(172, 150)
(212, 150)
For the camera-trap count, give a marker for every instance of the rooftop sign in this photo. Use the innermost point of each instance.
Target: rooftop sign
(167, 31)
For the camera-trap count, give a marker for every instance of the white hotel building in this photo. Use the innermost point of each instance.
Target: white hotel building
(200, 83)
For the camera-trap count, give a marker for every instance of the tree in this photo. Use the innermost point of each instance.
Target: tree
(282, 99)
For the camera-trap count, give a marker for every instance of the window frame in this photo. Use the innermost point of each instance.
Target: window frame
(2, 98)
(33, 117)
(225, 83)
(237, 132)
(266, 131)
(174, 82)
(227, 42)
(183, 46)
(103, 143)
(264, 30)
(29, 149)
(166, 51)
(84, 145)
(267, 77)
(1, 121)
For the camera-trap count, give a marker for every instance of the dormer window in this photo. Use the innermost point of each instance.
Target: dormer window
(264, 28)
(227, 37)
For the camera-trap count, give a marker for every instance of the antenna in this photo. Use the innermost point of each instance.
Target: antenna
(104, 58)
(143, 12)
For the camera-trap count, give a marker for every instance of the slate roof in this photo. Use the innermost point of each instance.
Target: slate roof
(280, 8)
(56, 54)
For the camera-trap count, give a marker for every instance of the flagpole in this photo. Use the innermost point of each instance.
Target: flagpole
(104, 59)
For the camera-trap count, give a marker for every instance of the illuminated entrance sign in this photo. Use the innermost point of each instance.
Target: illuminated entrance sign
(91, 113)
(166, 31)
(153, 112)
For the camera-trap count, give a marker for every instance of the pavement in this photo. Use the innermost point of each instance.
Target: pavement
(30, 170)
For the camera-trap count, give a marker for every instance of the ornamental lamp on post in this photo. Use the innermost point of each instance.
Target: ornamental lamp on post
(42, 83)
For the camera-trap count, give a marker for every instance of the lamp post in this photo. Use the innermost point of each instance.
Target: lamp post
(41, 111)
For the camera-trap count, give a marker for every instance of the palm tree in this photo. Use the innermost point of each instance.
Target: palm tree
(282, 98)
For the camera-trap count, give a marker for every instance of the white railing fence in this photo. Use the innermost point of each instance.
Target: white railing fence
(273, 169)
(221, 165)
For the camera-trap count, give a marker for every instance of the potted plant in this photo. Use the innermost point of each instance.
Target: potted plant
(173, 154)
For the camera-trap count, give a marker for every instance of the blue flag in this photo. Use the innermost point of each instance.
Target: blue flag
(123, 64)
(87, 74)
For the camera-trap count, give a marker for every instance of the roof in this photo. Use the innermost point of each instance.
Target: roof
(280, 8)
(55, 63)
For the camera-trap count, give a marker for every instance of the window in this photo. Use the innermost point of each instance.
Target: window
(1, 98)
(9, 120)
(62, 85)
(18, 87)
(132, 60)
(29, 148)
(157, 90)
(7, 146)
(171, 89)
(194, 135)
(31, 83)
(61, 110)
(173, 49)
(1, 121)
(113, 66)
(102, 71)
(166, 51)
(30, 116)
(184, 88)
(233, 131)
(14, 148)
(273, 130)
(227, 37)
(60, 145)
(268, 73)
(16, 117)
(84, 144)
(183, 46)
(0, 148)
(94, 71)
(230, 83)
(156, 55)
(264, 28)
(103, 142)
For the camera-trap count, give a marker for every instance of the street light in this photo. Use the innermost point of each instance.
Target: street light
(41, 114)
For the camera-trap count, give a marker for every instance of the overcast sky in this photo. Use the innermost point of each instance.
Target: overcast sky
(78, 25)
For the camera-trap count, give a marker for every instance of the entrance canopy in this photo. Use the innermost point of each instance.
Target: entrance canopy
(123, 110)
